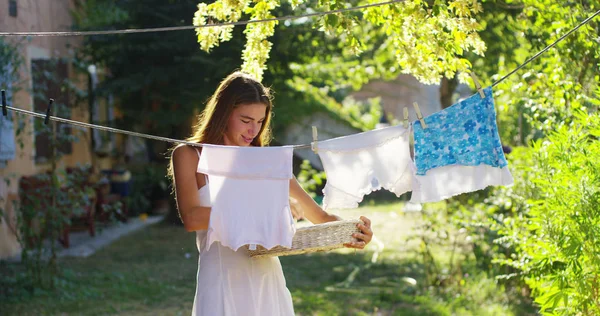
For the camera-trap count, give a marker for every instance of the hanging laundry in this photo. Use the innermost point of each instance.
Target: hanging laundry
(249, 191)
(459, 151)
(7, 134)
(359, 164)
(7, 139)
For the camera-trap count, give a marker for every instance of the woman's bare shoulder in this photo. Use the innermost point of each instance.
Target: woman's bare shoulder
(185, 154)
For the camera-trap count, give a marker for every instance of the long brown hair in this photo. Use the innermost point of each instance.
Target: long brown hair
(236, 89)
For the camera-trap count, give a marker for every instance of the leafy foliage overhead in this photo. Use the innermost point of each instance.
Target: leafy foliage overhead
(427, 38)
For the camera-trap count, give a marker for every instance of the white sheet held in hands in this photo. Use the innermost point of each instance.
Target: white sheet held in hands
(249, 191)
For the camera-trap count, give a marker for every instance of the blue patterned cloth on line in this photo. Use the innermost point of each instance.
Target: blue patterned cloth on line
(462, 134)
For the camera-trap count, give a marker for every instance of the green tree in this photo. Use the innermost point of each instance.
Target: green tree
(160, 79)
(546, 93)
(541, 227)
(164, 78)
(407, 25)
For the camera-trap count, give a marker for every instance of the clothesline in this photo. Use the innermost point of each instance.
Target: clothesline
(192, 27)
(301, 146)
(584, 22)
(102, 128)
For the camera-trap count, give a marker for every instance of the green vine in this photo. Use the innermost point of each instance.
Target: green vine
(49, 200)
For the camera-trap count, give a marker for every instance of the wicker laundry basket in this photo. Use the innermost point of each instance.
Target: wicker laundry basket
(316, 238)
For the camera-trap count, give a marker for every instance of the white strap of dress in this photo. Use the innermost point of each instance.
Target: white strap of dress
(205, 176)
(198, 152)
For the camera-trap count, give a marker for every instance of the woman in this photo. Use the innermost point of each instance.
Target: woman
(229, 282)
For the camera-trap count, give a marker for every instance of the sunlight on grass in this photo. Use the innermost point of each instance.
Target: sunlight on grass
(154, 272)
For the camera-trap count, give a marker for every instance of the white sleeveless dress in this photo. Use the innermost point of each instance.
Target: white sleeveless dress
(231, 283)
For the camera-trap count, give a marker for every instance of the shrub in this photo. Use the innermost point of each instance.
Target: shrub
(553, 218)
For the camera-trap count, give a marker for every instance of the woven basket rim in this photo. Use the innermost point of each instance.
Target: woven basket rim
(329, 224)
(304, 231)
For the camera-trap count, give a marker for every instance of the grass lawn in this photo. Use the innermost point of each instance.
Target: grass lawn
(153, 271)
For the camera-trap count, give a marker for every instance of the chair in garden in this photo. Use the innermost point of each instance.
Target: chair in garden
(36, 194)
(105, 199)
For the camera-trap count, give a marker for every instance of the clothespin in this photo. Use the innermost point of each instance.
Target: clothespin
(405, 117)
(315, 147)
(419, 115)
(477, 85)
(47, 119)
(4, 110)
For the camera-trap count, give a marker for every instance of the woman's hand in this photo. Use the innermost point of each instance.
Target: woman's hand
(364, 237)
(297, 211)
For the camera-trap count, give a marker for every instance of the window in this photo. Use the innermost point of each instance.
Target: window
(12, 8)
(48, 83)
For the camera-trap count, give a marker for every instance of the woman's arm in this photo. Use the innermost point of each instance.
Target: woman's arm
(185, 162)
(316, 215)
(312, 211)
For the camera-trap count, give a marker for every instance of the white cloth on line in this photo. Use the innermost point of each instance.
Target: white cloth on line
(445, 182)
(249, 190)
(230, 283)
(359, 164)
